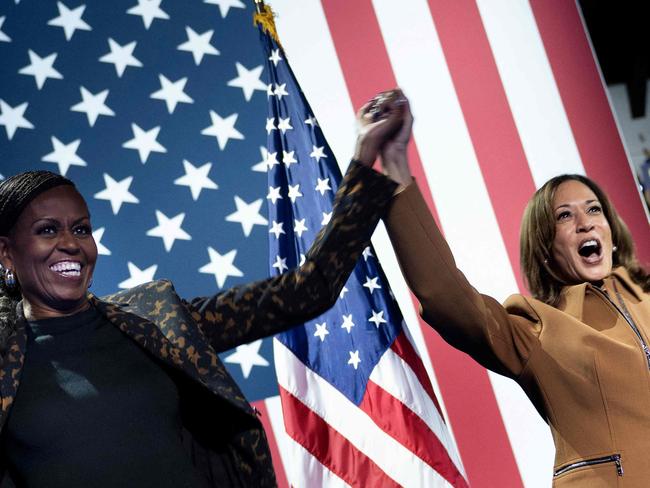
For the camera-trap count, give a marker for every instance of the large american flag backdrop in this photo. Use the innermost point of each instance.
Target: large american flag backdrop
(158, 109)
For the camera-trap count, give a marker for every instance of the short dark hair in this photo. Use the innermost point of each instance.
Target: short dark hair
(538, 232)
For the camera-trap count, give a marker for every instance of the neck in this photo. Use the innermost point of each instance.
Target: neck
(35, 312)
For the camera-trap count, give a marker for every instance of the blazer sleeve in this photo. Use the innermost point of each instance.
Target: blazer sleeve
(498, 338)
(246, 313)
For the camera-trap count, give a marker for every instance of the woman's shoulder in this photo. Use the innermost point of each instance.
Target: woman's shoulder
(160, 287)
(535, 309)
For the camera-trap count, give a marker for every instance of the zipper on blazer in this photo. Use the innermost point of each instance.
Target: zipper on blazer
(628, 318)
(614, 458)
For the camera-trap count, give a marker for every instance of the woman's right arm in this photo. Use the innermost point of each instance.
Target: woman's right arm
(477, 324)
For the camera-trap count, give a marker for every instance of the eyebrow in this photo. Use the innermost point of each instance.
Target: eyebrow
(587, 202)
(52, 219)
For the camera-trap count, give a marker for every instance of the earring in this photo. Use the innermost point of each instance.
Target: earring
(10, 279)
(615, 248)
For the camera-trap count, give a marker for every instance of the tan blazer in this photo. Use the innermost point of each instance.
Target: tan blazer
(581, 364)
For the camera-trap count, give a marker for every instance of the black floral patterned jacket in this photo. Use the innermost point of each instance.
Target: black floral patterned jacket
(221, 430)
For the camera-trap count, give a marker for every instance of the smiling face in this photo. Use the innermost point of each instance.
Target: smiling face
(582, 248)
(52, 252)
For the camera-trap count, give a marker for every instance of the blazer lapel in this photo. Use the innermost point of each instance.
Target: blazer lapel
(141, 330)
(158, 322)
(573, 300)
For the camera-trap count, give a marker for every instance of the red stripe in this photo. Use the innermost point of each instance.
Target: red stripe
(328, 446)
(401, 423)
(587, 107)
(404, 349)
(280, 475)
(479, 430)
(488, 117)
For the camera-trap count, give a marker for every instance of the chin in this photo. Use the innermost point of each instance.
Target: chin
(593, 276)
(70, 299)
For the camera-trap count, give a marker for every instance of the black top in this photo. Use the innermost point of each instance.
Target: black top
(93, 409)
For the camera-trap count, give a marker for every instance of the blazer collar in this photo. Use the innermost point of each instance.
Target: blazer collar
(623, 277)
(573, 297)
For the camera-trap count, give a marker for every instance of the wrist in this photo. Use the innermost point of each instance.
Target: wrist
(363, 154)
(403, 178)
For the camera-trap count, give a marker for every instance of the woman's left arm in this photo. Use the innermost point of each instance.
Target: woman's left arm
(245, 313)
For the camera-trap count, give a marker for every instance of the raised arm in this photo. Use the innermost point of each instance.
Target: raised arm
(245, 313)
(477, 324)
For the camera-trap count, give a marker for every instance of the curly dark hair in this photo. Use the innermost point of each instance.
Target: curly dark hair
(538, 232)
(15, 194)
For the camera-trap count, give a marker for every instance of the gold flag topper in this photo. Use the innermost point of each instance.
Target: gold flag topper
(264, 18)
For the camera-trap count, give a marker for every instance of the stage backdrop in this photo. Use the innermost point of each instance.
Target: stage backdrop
(158, 110)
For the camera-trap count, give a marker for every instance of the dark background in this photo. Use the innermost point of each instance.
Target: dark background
(619, 35)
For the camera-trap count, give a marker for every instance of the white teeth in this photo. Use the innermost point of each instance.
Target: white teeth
(592, 242)
(68, 268)
(70, 273)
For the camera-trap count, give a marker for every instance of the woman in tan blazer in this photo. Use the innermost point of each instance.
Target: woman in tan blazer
(579, 346)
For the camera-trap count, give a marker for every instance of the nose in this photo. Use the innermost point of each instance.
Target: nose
(68, 243)
(584, 223)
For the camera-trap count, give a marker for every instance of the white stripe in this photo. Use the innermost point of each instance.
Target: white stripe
(342, 415)
(304, 33)
(395, 376)
(300, 467)
(530, 88)
(462, 201)
(310, 472)
(282, 439)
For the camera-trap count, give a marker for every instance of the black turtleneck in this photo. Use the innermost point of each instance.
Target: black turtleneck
(93, 409)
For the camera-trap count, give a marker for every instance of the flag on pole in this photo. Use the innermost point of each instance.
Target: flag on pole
(356, 400)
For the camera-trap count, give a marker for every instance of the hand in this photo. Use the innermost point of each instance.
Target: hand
(398, 143)
(394, 158)
(379, 121)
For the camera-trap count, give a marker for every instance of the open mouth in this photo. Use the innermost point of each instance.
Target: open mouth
(590, 249)
(69, 269)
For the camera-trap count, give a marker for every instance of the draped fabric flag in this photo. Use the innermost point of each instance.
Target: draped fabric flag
(356, 398)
